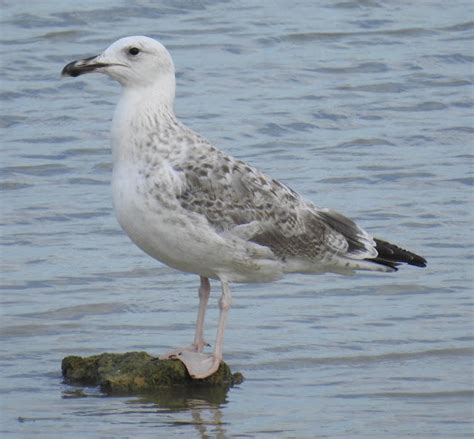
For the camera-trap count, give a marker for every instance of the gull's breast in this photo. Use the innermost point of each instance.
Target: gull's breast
(151, 217)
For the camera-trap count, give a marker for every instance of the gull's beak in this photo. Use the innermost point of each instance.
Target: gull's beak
(88, 65)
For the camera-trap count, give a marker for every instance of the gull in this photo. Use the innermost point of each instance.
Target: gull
(198, 210)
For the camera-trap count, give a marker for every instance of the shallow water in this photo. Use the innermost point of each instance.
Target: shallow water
(362, 106)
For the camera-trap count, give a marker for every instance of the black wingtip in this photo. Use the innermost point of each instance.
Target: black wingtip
(392, 255)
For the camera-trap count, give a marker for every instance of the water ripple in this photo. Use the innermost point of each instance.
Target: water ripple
(360, 360)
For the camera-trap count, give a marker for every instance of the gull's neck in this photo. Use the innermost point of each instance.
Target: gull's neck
(141, 113)
(157, 97)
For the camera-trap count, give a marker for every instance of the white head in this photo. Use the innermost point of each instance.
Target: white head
(132, 61)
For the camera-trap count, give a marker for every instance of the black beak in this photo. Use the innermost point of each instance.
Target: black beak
(77, 68)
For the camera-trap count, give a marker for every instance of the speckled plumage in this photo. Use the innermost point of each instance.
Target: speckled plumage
(184, 174)
(198, 210)
(234, 196)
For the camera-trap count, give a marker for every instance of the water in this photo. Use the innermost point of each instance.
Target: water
(362, 106)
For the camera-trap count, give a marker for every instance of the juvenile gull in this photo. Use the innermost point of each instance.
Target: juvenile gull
(199, 210)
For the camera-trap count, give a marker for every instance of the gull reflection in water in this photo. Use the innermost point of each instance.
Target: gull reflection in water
(200, 405)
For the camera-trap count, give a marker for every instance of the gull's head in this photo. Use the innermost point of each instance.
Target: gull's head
(132, 61)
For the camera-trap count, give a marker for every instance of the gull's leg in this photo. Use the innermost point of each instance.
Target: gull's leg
(225, 302)
(202, 365)
(204, 291)
(199, 342)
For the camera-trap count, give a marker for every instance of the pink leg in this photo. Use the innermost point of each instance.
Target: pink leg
(202, 365)
(225, 302)
(199, 342)
(204, 291)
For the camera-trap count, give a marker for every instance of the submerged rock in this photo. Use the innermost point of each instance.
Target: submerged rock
(137, 372)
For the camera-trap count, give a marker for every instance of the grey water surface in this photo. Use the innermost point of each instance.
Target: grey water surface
(364, 106)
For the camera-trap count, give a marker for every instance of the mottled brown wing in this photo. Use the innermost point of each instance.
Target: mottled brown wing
(230, 193)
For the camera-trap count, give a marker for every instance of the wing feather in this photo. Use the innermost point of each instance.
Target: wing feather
(234, 196)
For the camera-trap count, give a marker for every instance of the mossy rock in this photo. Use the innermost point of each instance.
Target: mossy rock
(138, 372)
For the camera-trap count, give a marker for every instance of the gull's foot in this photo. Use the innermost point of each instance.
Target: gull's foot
(175, 352)
(199, 365)
(171, 355)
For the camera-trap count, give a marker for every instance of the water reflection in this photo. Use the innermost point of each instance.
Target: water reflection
(202, 403)
(202, 406)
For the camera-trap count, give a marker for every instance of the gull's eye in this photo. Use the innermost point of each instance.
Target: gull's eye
(134, 51)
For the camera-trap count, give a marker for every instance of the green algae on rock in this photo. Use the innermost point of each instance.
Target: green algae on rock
(137, 372)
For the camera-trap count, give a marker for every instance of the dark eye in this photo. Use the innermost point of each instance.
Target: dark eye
(134, 51)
